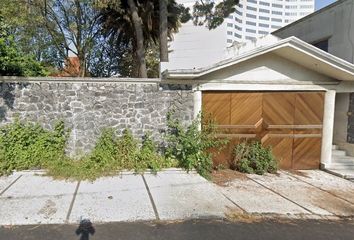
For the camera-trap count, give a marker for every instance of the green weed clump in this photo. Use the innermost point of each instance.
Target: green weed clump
(111, 155)
(190, 146)
(29, 146)
(254, 158)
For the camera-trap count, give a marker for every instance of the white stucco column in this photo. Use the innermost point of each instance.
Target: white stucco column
(197, 103)
(197, 96)
(328, 124)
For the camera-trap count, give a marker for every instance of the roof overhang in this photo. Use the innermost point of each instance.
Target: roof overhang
(292, 49)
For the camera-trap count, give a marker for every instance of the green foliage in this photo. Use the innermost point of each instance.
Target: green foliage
(254, 158)
(149, 158)
(111, 155)
(190, 146)
(212, 14)
(28, 146)
(12, 61)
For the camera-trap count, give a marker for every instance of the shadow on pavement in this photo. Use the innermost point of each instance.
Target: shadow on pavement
(85, 229)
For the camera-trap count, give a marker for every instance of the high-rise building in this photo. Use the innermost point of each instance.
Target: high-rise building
(197, 46)
(254, 18)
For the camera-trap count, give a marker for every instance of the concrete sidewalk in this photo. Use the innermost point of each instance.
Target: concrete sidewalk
(32, 198)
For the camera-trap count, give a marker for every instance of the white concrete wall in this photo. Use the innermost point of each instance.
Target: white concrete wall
(335, 23)
(341, 118)
(266, 68)
(196, 46)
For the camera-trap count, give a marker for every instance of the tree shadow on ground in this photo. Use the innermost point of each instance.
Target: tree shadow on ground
(85, 229)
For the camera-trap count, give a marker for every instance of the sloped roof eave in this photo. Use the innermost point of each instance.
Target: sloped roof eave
(292, 42)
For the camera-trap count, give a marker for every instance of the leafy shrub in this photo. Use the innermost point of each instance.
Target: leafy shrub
(149, 158)
(190, 146)
(254, 158)
(29, 146)
(111, 155)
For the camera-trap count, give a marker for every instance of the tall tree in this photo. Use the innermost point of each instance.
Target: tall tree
(138, 28)
(158, 20)
(163, 31)
(119, 23)
(12, 61)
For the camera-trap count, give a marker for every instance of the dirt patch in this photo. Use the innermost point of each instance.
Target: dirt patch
(226, 176)
(49, 209)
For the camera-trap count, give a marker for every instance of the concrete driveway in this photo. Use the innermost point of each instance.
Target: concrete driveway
(304, 194)
(33, 198)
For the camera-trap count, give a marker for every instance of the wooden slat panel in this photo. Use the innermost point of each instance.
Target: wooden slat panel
(278, 108)
(246, 108)
(282, 151)
(307, 153)
(289, 122)
(308, 111)
(309, 108)
(217, 104)
(294, 127)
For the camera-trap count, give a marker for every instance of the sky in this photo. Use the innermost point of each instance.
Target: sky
(322, 3)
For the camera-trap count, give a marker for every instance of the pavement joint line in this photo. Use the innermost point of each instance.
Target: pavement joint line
(243, 210)
(13, 182)
(72, 202)
(151, 199)
(281, 195)
(288, 173)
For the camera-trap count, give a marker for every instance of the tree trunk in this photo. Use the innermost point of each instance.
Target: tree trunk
(163, 31)
(140, 51)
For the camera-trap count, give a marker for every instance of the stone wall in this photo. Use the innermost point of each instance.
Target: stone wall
(87, 107)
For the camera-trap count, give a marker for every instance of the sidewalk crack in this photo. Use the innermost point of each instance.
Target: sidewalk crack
(3, 191)
(151, 199)
(72, 201)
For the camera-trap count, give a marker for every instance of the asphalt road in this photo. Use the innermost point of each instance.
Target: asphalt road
(196, 230)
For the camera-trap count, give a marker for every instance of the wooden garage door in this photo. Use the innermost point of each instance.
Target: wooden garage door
(289, 122)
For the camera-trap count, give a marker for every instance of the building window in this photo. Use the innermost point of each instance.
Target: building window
(229, 40)
(277, 13)
(276, 20)
(323, 45)
(264, 18)
(230, 25)
(262, 32)
(250, 30)
(251, 8)
(264, 10)
(263, 25)
(238, 28)
(237, 35)
(252, 1)
(251, 23)
(264, 3)
(251, 15)
(238, 20)
(277, 5)
(250, 38)
(229, 33)
(291, 14)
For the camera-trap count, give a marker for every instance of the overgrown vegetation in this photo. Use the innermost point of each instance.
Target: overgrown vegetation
(190, 146)
(12, 61)
(29, 146)
(254, 158)
(26, 145)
